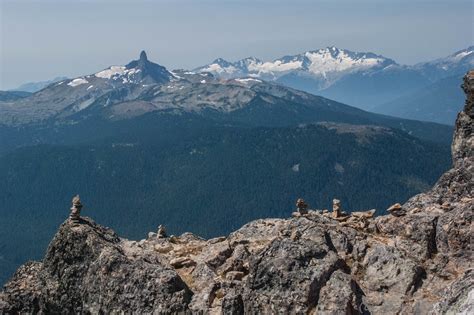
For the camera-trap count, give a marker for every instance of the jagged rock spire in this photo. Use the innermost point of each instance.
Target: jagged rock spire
(463, 141)
(468, 87)
(149, 71)
(143, 56)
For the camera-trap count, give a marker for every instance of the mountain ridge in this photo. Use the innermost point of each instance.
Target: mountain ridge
(322, 62)
(331, 59)
(142, 87)
(360, 79)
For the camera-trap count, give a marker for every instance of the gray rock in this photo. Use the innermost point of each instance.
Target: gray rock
(459, 297)
(340, 295)
(85, 270)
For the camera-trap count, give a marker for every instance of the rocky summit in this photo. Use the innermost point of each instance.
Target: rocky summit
(415, 260)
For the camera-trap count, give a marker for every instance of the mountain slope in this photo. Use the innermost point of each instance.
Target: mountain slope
(228, 175)
(33, 87)
(6, 96)
(416, 260)
(438, 102)
(366, 90)
(455, 64)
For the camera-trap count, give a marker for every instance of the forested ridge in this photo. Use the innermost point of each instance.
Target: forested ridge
(208, 180)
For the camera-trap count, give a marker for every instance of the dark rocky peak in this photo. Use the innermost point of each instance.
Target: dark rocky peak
(143, 57)
(150, 72)
(222, 62)
(463, 141)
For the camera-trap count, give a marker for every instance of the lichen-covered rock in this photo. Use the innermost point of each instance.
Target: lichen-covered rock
(341, 295)
(459, 296)
(86, 270)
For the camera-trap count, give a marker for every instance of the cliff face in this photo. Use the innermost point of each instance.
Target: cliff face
(416, 260)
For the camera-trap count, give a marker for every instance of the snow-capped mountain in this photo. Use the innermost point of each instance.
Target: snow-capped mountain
(441, 98)
(325, 65)
(365, 80)
(123, 93)
(361, 79)
(456, 63)
(141, 71)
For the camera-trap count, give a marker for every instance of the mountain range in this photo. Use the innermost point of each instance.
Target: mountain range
(362, 79)
(142, 87)
(195, 152)
(32, 87)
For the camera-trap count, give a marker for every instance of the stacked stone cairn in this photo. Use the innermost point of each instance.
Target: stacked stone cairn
(161, 232)
(336, 208)
(397, 210)
(75, 214)
(302, 206)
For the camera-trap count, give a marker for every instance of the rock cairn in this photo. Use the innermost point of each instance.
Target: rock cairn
(396, 210)
(302, 206)
(161, 232)
(336, 208)
(75, 214)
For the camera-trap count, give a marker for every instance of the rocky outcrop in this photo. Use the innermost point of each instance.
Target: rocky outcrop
(418, 261)
(89, 269)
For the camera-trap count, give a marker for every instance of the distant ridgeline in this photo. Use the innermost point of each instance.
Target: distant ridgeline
(427, 91)
(147, 146)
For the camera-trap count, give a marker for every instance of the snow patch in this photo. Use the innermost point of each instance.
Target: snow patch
(323, 61)
(77, 82)
(296, 168)
(247, 80)
(220, 70)
(462, 55)
(175, 75)
(110, 72)
(275, 66)
(117, 72)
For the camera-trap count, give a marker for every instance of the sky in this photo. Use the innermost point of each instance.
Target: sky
(43, 39)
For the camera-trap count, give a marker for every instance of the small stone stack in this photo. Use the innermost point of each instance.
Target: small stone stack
(75, 214)
(397, 210)
(161, 232)
(336, 208)
(302, 206)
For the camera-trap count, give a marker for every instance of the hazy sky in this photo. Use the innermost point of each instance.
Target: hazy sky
(43, 39)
